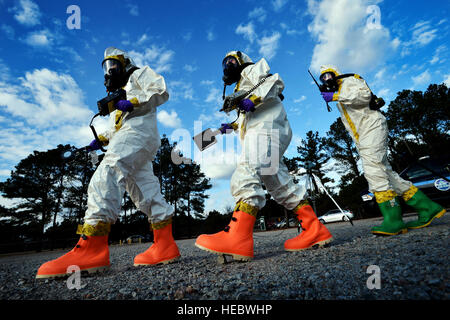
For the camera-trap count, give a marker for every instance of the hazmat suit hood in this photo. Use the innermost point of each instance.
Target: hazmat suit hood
(329, 68)
(240, 56)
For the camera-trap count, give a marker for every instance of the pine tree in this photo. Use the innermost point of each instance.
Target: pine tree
(419, 123)
(80, 171)
(312, 156)
(38, 181)
(183, 185)
(341, 148)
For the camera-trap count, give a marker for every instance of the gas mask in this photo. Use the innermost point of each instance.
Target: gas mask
(115, 76)
(231, 70)
(329, 82)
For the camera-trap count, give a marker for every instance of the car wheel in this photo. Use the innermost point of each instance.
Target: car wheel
(344, 218)
(322, 221)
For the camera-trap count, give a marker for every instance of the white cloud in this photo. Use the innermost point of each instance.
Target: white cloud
(27, 13)
(447, 80)
(142, 39)
(43, 38)
(258, 14)
(210, 36)
(302, 98)
(180, 89)
(395, 43)
(214, 96)
(422, 33)
(295, 110)
(289, 31)
(220, 197)
(344, 37)
(158, 58)
(385, 92)
(73, 53)
(45, 97)
(422, 78)
(218, 170)
(219, 161)
(41, 110)
(53, 44)
(8, 30)
(279, 4)
(140, 42)
(189, 68)
(17, 140)
(4, 72)
(248, 31)
(212, 118)
(437, 54)
(269, 45)
(207, 82)
(296, 141)
(133, 9)
(187, 36)
(434, 60)
(379, 75)
(170, 120)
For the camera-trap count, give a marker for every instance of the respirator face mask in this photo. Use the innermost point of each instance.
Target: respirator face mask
(329, 82)
(114, 75)
(231, 70)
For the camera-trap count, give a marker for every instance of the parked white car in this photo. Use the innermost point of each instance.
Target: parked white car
(336, 215)
(282, 223)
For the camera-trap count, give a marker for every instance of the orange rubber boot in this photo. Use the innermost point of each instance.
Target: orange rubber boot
(313, 232)
(235, 240)
(90, 254)
(163, 250)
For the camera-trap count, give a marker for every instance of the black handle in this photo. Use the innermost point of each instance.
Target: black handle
(320, 89)
(95, 132)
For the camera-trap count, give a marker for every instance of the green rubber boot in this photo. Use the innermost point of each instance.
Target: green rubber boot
(392, 214)
(427, 209)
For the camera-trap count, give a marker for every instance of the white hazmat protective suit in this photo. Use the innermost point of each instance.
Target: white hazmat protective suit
(265, 135)
(133, 143)
(368, 129)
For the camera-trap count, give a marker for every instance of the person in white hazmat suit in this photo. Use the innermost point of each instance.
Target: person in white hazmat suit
(132, 141)
(265, 134)
(368, 128)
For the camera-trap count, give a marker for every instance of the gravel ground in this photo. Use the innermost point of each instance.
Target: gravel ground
(413, 266)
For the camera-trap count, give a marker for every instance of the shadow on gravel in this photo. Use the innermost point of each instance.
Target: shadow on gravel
(267, 255)
(84, 275)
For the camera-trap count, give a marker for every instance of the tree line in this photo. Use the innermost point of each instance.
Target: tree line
(51, 188)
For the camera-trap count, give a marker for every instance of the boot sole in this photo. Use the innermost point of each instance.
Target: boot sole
(222, 258)
(313, 246)
(62, 275)
(158, 263)
(383, 233)
(440, 214)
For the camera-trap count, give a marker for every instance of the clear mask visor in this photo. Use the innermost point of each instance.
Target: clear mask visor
(111, 66)
(229, 63)
(326, 76)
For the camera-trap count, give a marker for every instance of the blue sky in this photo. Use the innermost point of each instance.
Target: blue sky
(51, 76)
